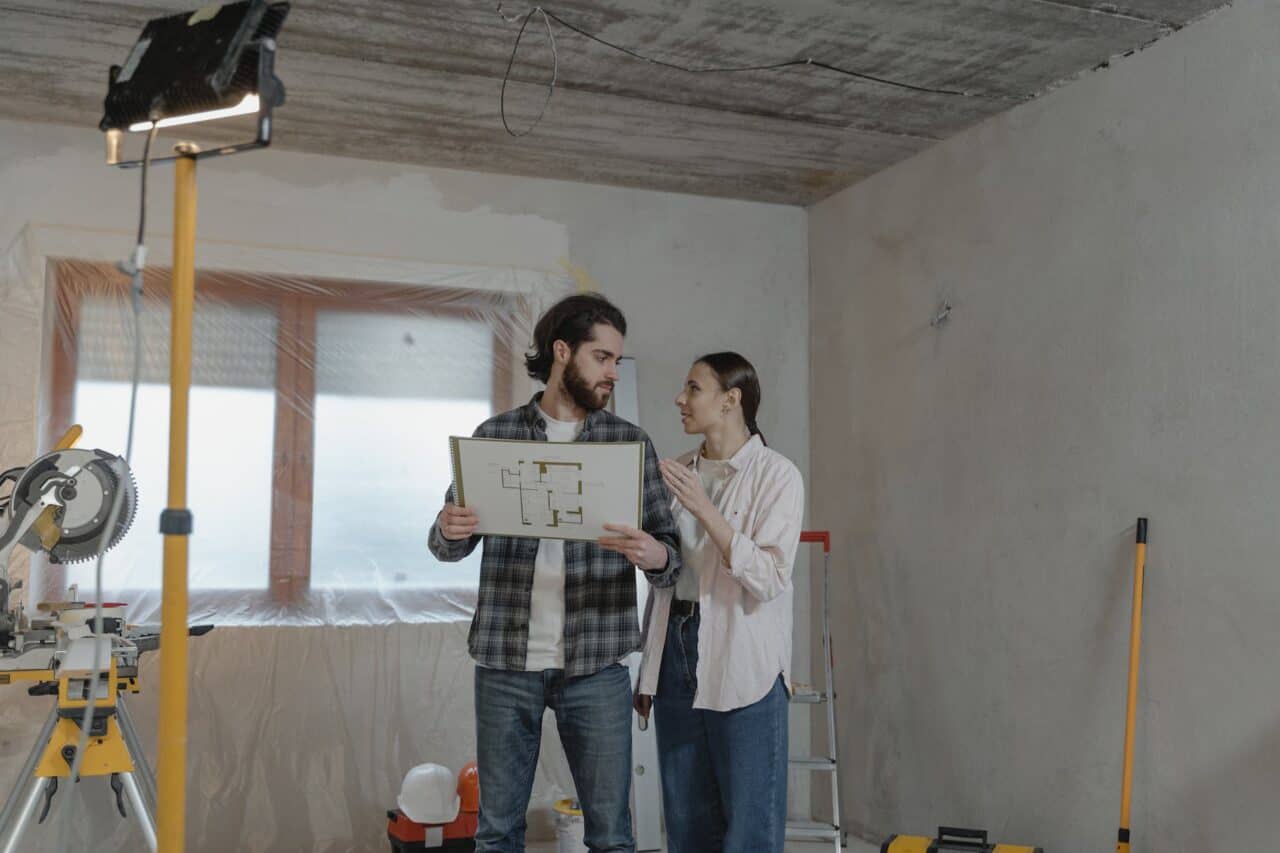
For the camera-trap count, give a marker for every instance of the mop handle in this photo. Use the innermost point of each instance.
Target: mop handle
(1131, 710)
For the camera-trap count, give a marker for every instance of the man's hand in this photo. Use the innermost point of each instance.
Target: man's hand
(637, 546)
(457, 522)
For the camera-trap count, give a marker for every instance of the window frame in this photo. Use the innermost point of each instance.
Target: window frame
(293, 445)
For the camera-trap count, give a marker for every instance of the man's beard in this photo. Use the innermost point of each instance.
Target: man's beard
(580, 392)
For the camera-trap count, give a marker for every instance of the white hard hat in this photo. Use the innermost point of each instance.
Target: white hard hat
(429, 794)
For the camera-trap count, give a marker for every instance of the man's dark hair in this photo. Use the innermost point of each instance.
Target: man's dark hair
(569, 320)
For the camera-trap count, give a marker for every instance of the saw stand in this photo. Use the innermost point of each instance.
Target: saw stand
(114, 751)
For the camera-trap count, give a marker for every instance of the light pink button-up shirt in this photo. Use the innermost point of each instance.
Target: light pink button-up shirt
(744, 639)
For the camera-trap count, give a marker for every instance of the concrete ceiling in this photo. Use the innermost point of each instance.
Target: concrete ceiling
(416, 82)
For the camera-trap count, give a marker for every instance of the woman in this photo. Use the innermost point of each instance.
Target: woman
(717, 645)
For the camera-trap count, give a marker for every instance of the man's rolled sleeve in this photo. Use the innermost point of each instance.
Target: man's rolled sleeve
(449, 550)
(658, 521)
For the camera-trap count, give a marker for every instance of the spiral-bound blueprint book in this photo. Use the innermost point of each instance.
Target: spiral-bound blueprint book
(549, 489)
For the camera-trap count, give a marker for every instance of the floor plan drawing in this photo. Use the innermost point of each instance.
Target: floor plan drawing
(546, 489)
(550, 492)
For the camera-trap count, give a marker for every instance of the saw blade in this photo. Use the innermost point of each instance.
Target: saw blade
(75, 530)
(85, 525)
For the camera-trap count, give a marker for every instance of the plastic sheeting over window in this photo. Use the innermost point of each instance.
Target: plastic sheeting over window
(320, 417)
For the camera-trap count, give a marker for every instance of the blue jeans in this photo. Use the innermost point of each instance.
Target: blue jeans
(724, 773)
(593, 715)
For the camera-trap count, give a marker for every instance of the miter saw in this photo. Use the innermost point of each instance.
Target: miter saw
(61, 504)
(73, 505)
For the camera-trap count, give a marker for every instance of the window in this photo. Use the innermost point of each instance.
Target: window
(389, 391)
(320, 414)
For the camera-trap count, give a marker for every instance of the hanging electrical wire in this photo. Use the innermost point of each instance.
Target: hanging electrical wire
(133, 267)
(555, 70)
(548, 17)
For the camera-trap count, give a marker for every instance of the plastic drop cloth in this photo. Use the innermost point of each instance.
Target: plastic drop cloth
(320, 412)
(320, 417)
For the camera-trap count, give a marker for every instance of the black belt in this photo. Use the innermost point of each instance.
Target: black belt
(680, 607)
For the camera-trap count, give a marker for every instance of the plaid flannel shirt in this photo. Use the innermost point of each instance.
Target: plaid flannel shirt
(600, 624)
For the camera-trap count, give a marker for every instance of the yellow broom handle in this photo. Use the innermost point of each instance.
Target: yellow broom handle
(1131, 710)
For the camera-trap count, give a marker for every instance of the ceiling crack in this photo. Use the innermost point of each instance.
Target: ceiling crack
(1109, 10)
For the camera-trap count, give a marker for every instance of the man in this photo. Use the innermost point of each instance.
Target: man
(555, 618)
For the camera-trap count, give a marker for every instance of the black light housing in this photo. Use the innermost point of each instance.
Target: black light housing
(211, 63)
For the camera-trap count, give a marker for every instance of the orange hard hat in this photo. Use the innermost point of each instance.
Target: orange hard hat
(469, 787)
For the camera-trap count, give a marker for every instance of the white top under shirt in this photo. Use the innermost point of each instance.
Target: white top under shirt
(698, 552)
(546, 602)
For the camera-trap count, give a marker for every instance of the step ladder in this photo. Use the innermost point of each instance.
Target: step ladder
(808, 697)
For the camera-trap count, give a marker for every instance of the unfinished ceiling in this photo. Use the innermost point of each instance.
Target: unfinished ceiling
(418, 82)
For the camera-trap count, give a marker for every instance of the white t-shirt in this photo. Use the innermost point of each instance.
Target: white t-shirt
(546, 604)
(700, 554)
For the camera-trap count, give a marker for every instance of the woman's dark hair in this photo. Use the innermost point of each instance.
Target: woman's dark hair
(734, 371)
(569, 320)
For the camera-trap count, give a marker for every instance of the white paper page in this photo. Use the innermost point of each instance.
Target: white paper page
(549, 489)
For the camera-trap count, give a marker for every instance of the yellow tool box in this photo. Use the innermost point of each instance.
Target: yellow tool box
(952, 838)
